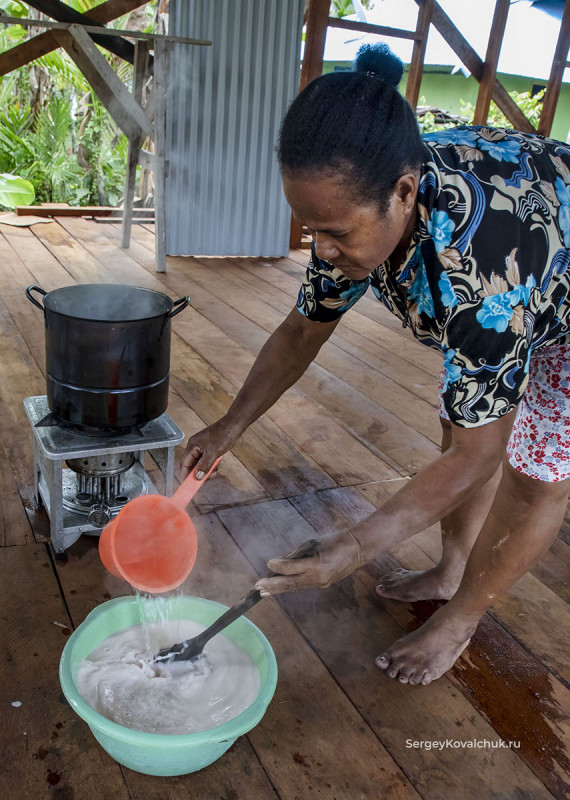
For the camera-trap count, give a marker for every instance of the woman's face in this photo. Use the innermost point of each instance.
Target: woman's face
(354, 238)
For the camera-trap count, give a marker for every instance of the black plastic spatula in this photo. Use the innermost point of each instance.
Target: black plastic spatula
(192, 648)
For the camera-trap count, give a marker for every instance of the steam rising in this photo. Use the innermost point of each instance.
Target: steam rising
(108, 302)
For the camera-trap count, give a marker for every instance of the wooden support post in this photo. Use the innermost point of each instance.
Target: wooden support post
(46, 42)
(161, 71)
(312, 67)
(149, 107)
(489, 71)
(295, 234)
(315, 38)
(559, 64)
(146, 159)
(114, 95)
(418, 53)
(142, 49)
(469, 57)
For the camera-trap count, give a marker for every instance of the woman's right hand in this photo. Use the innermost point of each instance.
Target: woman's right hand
(204, 447)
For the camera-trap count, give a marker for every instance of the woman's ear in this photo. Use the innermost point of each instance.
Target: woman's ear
(406, 191)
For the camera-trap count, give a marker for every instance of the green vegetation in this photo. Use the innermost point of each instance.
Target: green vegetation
(530, 106)
(15, 191)
(55, 134)
(344, 8)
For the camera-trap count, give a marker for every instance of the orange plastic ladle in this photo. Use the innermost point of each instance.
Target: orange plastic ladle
(152, 542)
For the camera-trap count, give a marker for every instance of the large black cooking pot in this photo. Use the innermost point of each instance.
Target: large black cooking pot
(107, 353)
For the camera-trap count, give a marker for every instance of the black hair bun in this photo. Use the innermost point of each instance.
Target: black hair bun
(381, 61)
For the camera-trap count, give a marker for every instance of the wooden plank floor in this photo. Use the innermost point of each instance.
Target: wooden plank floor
(360, 422)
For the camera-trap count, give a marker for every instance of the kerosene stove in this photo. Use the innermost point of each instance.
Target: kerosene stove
(83, 477)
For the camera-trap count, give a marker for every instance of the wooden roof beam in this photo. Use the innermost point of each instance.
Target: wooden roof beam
(559, 64)
(315, 38)
(62, 13)
(474, 64)
(102, 32)
(114, 95)
(368, 27)
(418, 53)
(489, 71)
(45, 43)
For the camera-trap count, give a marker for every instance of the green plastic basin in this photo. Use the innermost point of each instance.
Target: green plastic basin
(154, 753)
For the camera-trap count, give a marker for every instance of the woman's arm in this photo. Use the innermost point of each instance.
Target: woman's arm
(280, 363)
(472, 459)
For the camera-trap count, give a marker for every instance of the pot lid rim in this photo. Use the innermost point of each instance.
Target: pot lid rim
(169, 303)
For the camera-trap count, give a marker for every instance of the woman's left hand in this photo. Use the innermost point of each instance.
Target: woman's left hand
(336, 557)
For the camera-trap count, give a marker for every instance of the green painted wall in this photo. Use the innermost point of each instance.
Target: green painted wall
(446, 91)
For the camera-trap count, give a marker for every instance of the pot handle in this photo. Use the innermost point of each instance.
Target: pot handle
(182, 302)
(32, 299)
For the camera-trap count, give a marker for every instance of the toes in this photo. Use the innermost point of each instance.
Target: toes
(407, 677)
(394, 670)
(390, 580)
(397, 669)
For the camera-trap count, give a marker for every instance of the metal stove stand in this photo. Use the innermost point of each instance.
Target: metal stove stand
(54, 445)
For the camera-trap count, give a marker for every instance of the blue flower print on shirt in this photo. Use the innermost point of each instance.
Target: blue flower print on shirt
(440, 228)
(353, 293)
(563, 194)
(455, 136)
(496, 312)
(448, 296)
(521, 294)
(419, 291)
(502, 150)
(452, 371)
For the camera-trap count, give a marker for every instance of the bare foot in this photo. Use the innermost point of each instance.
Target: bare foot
(426, 654)
(408, 585)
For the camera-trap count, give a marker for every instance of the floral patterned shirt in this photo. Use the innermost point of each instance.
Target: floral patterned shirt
(486, 278)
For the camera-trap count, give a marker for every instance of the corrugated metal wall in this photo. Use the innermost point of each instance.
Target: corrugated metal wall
(225, 106)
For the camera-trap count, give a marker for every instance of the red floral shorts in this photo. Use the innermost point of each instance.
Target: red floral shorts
(539, 445)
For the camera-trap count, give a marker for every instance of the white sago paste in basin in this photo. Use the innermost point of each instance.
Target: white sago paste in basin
(119, 680)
